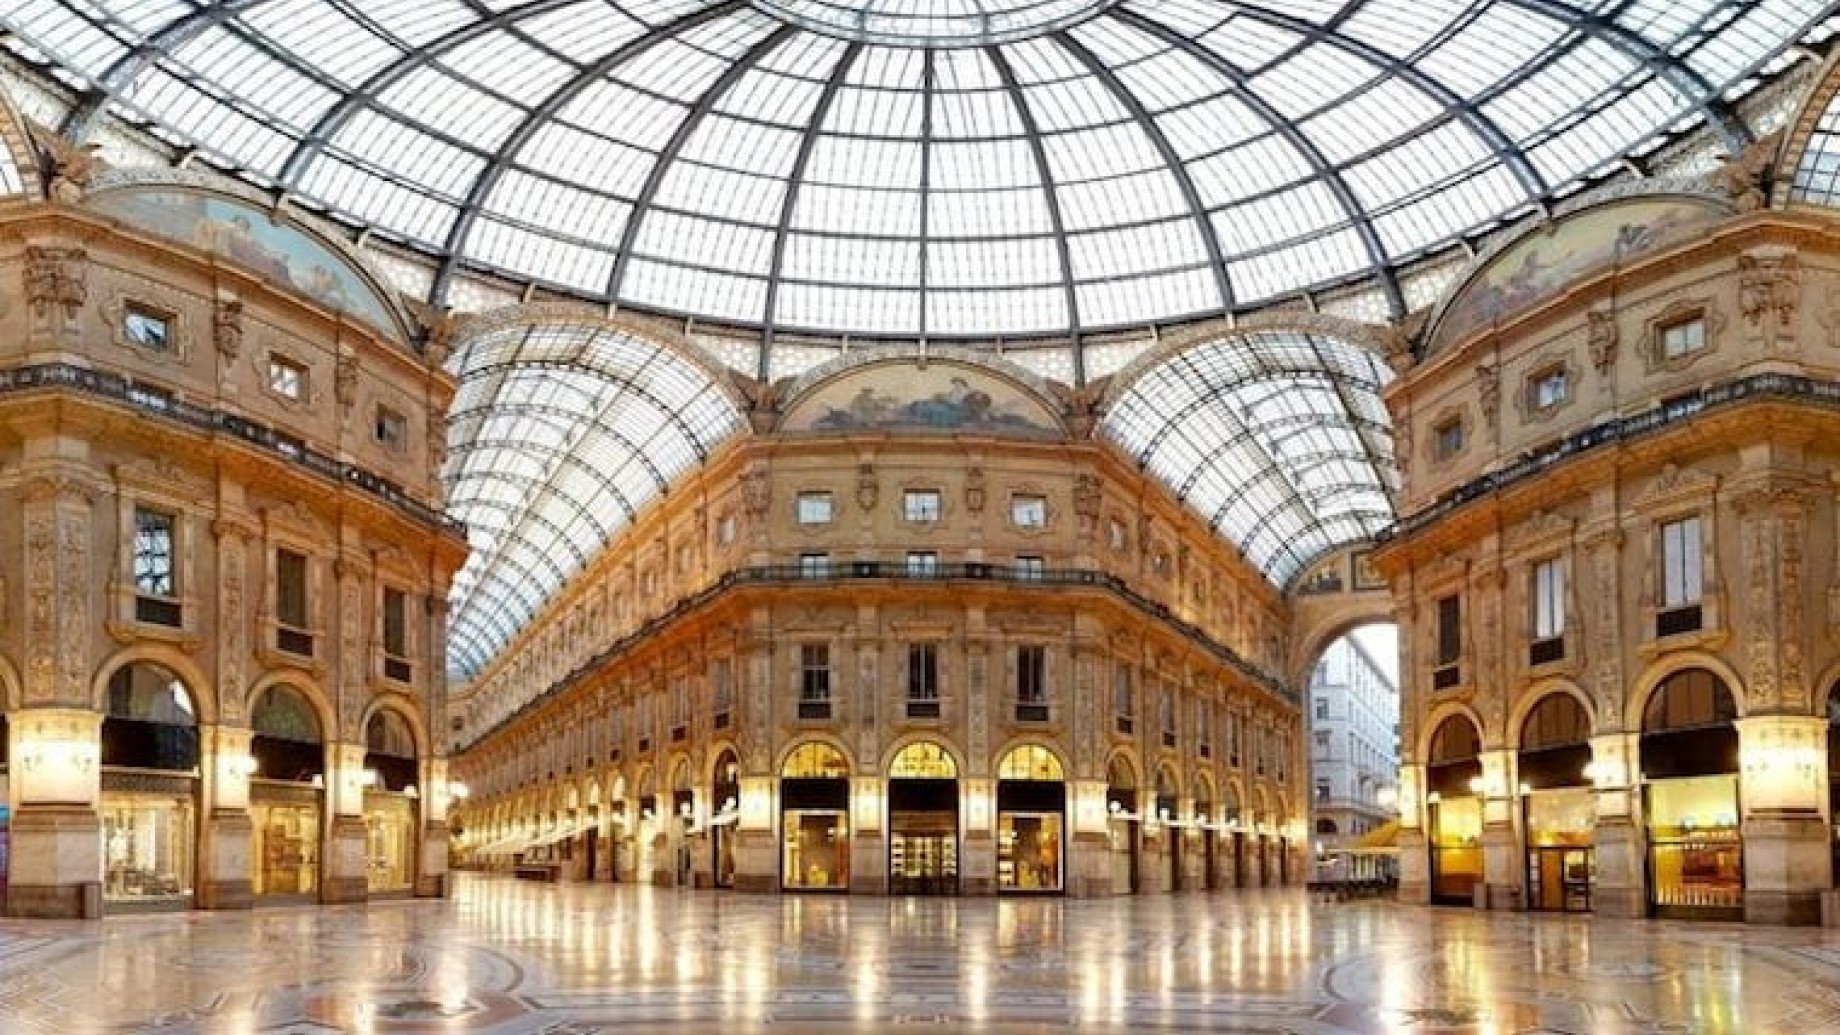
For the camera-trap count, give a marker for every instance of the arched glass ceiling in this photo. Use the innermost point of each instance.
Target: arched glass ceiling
(1277, 438)
(560, 433)
(1156, 160)
(1817, 177)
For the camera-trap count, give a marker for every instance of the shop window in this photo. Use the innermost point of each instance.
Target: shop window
(814, 508)
(920, 506)
(1028, 511)
(156, 585)
(287, 378)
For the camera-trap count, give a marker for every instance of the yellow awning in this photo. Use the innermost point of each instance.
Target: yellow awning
(1383, 836)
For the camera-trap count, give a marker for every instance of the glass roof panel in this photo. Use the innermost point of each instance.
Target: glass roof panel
(560, 434)
(1270, 436)
(1302, 145)
(1817, 176)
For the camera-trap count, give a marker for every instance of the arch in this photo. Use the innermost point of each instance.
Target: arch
(810, 751)
(719, 752)
(1455, 738)
(282, 711)
(1374, 338)
(921, 757)
(1232, 798)
(404, 708)
(196, 682)
(1541, 696)
(1202, 415)
(1679, 661)
(1428, 727)
(1344, 613)
(682, 775)
(1205, 787)
(395, 721)
(307, 688)
(855, 361)
(1030, 760)
(1121, 771)
(1794, 183)
(19, 173)
(1325, 825)
(1681, 688)
(1168, 777)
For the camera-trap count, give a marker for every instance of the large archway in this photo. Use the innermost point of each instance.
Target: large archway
(392, 803)
(814, 797)
(1352, 712)
(1453, 782)
(1031, 820)
(1689, 765)
(150, 777)
(287, 794)
(1558, 803)
(923, 820)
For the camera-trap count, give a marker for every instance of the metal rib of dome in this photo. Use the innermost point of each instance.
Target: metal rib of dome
(1130, 163)
(1277, 438)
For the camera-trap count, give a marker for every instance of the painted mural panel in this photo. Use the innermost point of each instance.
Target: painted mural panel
(1541, 264)
(909, 397)
(246, 236)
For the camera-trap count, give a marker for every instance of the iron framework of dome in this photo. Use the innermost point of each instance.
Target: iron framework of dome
(972, 168)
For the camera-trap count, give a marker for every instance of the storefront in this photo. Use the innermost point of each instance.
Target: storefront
(725, 804)
(1690, 799)
(814, 798)
(1453, 807)
(1558, 805)
(149, 800)
(391, 800)
(1031, 821)
(286, 796)
(1125, 826)
(923, 821)
(1172, 836)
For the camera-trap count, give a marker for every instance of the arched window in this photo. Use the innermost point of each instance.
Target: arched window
(389, 750)
(923, 760)
(1557, 721)
(815, 760)
(1030, 762)
(1456, 740)
(1690, 699)
(287, 743)
(1326, 826)
(1688, 727)
(151, 722)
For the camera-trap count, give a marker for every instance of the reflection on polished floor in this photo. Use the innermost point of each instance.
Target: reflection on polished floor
(570, 960)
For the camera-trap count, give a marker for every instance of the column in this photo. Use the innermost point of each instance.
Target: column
(436, 798)
(342, 874)
(1414, 860)
(756, 852)
(56, 864)
(1192, 851)
(224, 851)
(868, 835)
(1783, 780)
(1089, 849)
(1501, 851)
(977, 859)
(1621, 849)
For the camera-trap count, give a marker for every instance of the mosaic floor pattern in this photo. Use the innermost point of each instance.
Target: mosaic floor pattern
(519, 958)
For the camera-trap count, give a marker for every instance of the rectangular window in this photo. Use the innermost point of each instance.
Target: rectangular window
(1449, 629)
(395, 623)
(1548, 600)
(814, 508)
(1550, 388)
(1322, 739)
(287, 378)
(1322, 790)
(921, 565)
(153, 554)
(814, 565)
(1683, 337)
(1681, 561)
(1031, 674)
(147, 328)
(1029, 569)
(920, 505)
(922, 672)
(815, 673)
(1322, 707)
(1028, 511)
(391, 429)
(291, 589)
(1447, 439)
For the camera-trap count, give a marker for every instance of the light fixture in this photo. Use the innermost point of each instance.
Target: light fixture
(457, 790)
(368, 778)
(411, 792)
(1475, 785)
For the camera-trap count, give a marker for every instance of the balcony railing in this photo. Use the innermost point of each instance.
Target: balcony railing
(1674, 411)
(1032, 579)
(158, 403)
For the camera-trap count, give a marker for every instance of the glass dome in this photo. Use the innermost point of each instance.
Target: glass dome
(962, 169)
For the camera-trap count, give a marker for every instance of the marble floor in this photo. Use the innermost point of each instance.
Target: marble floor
(509, 957)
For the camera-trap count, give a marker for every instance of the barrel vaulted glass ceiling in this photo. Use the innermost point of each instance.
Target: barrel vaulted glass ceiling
(1278, 439)
(562, 432)
(948, 168)
(1817, 177)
